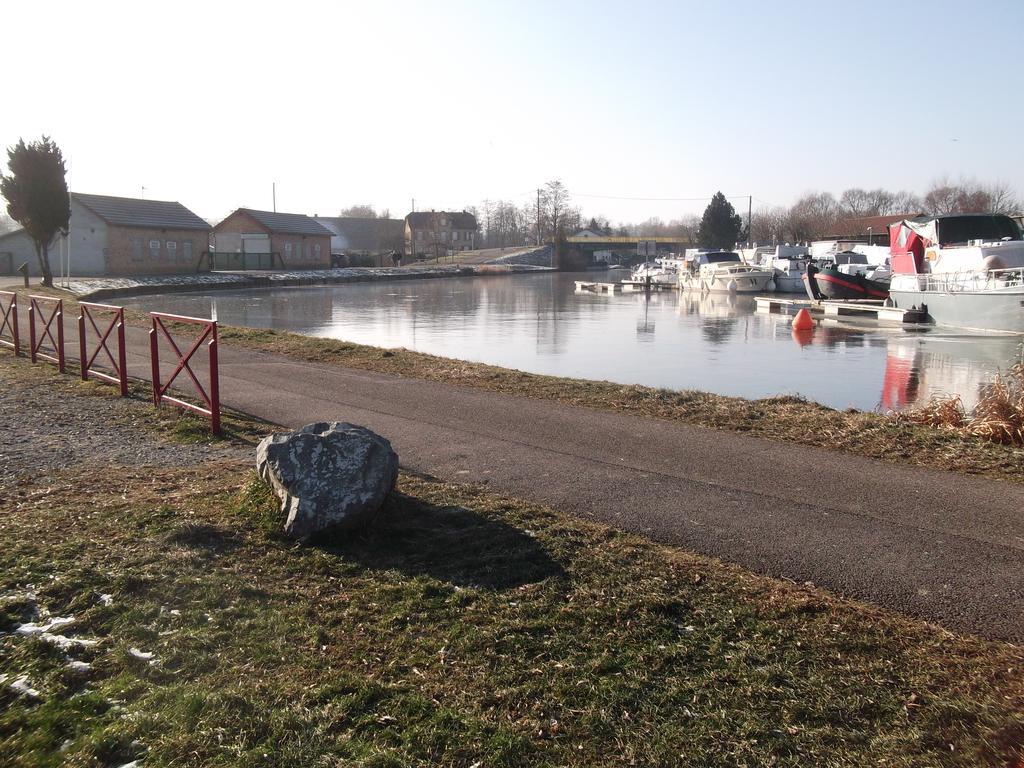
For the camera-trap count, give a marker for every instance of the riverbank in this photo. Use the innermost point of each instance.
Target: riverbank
(892, 437)
(464, 627)
(108, 288)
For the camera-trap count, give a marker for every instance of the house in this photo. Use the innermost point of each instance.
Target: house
(873, 230)
(116, 236)
(438, 233)
(365, 237)
(250, 239)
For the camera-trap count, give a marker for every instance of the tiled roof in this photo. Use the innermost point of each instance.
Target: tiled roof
(287, 223)
(457, 219)
(859, 225)
(132, 212)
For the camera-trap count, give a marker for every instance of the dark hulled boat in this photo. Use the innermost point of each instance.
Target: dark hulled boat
(828, 282)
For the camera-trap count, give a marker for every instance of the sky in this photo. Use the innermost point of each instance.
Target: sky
(641, 108)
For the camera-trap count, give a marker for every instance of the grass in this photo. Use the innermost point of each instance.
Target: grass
(998, 416)
(916, 440)
(461, 628)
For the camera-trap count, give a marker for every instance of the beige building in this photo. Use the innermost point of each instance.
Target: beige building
(251, 239)
(116, 236)
(432, 234)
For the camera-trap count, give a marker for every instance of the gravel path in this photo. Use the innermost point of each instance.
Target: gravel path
(50, 424)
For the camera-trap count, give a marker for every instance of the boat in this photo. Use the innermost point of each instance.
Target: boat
(662, 271)
(847, 277)
(787, 263)
(723, 271)
(966, 270)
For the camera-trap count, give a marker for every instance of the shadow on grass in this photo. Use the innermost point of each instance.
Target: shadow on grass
(451, 544)
(208, 538)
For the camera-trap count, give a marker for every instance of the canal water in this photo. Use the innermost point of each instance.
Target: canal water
(537, 322)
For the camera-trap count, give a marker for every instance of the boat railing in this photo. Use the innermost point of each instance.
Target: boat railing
(972, 280)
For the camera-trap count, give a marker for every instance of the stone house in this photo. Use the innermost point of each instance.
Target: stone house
(250, 239)
(116, 236)
(438, 233)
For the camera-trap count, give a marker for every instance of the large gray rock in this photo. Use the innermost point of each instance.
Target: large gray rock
(327, 475)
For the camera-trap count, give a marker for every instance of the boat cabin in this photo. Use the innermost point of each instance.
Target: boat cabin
(911, 239)
(713, 257)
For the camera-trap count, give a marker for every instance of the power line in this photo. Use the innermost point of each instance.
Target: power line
(654, 199)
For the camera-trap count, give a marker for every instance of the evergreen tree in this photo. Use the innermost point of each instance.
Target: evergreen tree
(720, 226)
(37, 195)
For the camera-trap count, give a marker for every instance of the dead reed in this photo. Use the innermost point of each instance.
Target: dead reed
(998, 416)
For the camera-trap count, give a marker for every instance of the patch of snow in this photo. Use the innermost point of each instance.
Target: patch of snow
(64, 643)
(79, 666)
(21, 686)
(34, 629)
(132, 764)
(143, 655)
(106, 599)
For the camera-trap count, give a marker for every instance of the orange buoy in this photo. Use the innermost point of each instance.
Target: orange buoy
(803, 338)
(803, 321)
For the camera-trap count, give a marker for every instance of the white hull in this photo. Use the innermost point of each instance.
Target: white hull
(1001, 310)
(750, 281)
(788, 283)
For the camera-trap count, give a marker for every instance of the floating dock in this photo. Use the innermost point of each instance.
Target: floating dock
(591, 287)
(868, 309)
(626, 286)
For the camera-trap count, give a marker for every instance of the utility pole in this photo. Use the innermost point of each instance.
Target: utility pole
(414, 205)
(750, 220)
(143, 193)
(273, 194)
(538, 217)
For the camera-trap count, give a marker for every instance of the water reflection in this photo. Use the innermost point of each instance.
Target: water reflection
(713, 342)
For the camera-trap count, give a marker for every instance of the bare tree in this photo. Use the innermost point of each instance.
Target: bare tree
(813, 215)
(554, 200)
(359, 211)
(770, 225)
(969, 196)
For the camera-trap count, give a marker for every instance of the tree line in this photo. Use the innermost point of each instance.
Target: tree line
(818, 214)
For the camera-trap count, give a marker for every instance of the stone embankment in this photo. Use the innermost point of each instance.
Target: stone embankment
(99, 288)
(539, 257)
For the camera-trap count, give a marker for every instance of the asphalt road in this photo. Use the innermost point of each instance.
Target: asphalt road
(937, 545)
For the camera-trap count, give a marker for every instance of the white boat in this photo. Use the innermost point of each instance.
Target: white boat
(967, 270)
(723, 271)
(661, 271)
(787, 263)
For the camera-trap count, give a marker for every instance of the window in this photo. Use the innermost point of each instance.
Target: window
(136, 245)
(287, 252)
(172, 250)
(316, 250)
(186, 251)
(455, 235)
(154, 249)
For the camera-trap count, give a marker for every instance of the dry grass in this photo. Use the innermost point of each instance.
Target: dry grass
(998, 417)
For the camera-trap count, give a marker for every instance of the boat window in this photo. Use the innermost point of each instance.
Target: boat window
(718, 258)
(962, 229)
(851, 257)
